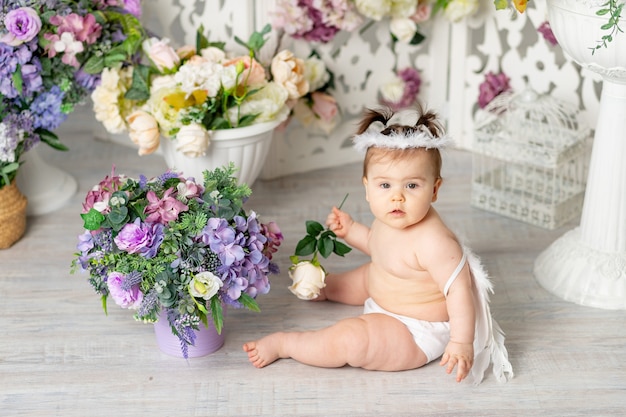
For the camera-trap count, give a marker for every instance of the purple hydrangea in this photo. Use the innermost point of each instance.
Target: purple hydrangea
(47, 109)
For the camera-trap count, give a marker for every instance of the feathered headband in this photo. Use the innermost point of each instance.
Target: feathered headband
(401, 135)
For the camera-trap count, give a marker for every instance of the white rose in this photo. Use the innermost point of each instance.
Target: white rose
(192, 140)
(315, 73)
(308, 280)
(403, 28)
(393, 90)
(205, 285)
(459, 9)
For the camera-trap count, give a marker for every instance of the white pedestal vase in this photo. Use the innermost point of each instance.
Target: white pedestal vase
(247, 147)
(46, 187)
(587, 265)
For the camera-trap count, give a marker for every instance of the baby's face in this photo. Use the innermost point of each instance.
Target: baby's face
(400, 192)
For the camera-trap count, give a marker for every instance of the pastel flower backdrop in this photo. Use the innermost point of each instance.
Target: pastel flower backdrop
(184, 94)
(52, 53)
(178, 247)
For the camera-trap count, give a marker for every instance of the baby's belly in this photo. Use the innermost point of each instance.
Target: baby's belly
(419, 306)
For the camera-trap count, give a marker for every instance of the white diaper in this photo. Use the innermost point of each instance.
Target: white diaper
(431, 337)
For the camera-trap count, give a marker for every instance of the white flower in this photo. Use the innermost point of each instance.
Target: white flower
(459, 9)
(308, 280)
(403, 28)
(268, 103)
(67, 43)
(192, 140)
(144, 131)
(205, 285)
(213, 54)
(402, 8)
(374, 9)
(392, 90)
(315, 73)
(199, 74)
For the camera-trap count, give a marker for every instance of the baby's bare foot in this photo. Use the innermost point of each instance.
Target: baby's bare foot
(264, 351)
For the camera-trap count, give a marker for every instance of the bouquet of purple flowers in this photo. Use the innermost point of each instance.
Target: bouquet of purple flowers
(51, 55)
(176, 246)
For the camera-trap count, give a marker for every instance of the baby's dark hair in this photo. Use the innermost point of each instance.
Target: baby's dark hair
(426, 118)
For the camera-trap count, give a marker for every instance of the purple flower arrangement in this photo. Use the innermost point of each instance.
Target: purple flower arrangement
(51, 55)
(176, 246)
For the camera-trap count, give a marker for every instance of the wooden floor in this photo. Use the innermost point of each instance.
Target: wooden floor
(61, 356)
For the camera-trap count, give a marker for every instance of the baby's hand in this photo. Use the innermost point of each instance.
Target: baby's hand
(460, 355)
(339, 222)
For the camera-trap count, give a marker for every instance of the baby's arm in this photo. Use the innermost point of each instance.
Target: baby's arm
(354, 233)
(460, 305)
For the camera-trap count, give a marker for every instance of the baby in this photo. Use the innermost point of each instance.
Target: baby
(424, 294)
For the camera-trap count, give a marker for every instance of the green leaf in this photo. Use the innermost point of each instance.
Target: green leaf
(341, 248)
(326, 246)
(248, 302)
(217, 314)
(501, 4)
(94, 65)
(139, 88)
(17, 79)
(306, 246)
(51, 140)
(602, 12)
(118, 215)
(313, 228)
(92, 219)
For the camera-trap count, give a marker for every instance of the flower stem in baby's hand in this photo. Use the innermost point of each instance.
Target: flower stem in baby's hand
(320, 240)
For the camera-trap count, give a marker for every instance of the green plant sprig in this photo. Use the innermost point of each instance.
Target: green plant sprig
(613, 10)
(319, 240)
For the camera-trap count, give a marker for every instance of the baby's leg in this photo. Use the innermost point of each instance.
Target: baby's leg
(347, 287)
(371, 341)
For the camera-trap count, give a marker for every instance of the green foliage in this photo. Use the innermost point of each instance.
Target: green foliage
(613, 11)
(222, 190)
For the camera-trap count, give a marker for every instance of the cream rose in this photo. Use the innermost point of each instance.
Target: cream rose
(308, 280)
(456, 10)
(374, 9)
(192, 140)
(288, 71)
(205, 285)
(315, 73)
(403, 28)
(268, 103)
(144, 131)
(402, 8)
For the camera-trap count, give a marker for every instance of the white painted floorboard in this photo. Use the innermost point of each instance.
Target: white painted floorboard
(61, 356)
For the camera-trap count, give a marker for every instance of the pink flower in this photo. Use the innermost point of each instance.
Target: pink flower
(492, 87)
(422, 12)
(253, 72)
(324, 106)
(84, 29)
(546, 31)
(125, 298)
(98, 198)
(133, 7)
(274, 238)
(163, 210)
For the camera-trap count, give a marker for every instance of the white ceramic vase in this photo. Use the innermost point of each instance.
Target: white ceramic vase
(46, 187)
(247, 147)
(587, 265)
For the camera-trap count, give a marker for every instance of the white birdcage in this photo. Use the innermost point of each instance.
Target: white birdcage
(530, 159)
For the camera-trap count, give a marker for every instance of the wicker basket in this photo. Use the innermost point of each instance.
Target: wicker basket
(12, 215)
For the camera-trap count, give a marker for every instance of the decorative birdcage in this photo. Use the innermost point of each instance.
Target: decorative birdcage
(530, 157)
